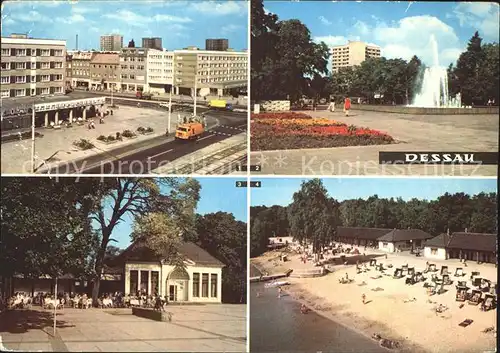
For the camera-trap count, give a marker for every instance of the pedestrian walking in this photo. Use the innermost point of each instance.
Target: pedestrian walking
(331, 107)
(363, 298)
(279, 291)
(347, 106)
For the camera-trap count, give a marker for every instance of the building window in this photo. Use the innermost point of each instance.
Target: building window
(45, 52)
(134, 277)
(45, 90)
(132, 77)
(204, 285)
(213, 285)
(57, 89)
(196, 285)
(5, 66)
(20, 66)
(5, 93)
(124, 67)
(132, 67)
(5, 52)
(434, 251)
(20, 92)
(45, 66)
(58, 77)
(20, 79)
(385, 245)
(21, 52)
(45, 78)
(5, 80)
(58, 65)
(58, 52)
(124, 76)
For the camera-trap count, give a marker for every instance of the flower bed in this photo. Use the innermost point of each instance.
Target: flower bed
(293, 131)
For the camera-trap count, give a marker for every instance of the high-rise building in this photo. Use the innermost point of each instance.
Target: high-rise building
(352, 54)
(160, 70)
(152, 43)
(217, 44)
(32, 67)
(111, 42)
(217, 70)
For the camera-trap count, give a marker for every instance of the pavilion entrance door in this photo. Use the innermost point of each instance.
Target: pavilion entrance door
(172, 293)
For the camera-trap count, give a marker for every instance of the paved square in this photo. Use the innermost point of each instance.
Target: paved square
(440, 133)
(204, 328)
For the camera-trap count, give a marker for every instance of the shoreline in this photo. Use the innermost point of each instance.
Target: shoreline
(392, 316)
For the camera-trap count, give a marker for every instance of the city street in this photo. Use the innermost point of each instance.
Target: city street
(206, 328)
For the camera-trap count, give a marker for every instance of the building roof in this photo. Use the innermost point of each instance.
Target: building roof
(405, 235)
(441, 241)
(108, 58)
(361, 232)
(138, 251)
(473, 241)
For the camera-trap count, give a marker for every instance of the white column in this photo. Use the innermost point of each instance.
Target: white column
(57, 118)
(138, 280)
(46, 119)
(219, 286)
(84, 114)
(70, 116)
(190, 286)
(149, 283)
(209, 287)
(127, 282)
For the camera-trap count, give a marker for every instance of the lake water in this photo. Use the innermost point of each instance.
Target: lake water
(276, 324)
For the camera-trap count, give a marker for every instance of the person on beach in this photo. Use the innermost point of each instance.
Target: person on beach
(363, 298)
(279, 291)
(331, 107)
(347, 106)
(303, 309)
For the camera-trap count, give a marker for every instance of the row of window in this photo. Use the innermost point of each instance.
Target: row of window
(132, 77)
(160, 70)
(32, 52)
(80, 63)
(167, 57)
(132, 67)
(81, 72)
(221, 72)
(27, 91)
(223, 65)
(159, 78)
(31, 79)
(223, 58)
(223, 79)
(131, 59)
(32, 66)
(112, 67)
(105, 75)
(205, 285)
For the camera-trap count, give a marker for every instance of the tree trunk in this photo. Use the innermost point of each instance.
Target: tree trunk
(99, 264)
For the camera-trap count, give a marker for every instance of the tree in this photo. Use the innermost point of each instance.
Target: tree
(312, 215)
(138, 197)
(131, 44)
(225, 238)
(41, 218)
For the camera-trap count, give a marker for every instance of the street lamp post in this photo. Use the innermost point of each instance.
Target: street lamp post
(33, 138)
(169, 108)
(55, 307)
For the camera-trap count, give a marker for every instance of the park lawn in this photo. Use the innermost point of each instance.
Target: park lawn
(278, 131)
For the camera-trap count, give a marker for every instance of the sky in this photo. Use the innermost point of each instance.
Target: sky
(217, 194)
(178, 23)
(402, 29)
(280, 191)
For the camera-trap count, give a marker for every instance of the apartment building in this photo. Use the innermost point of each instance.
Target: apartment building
(111, 42)
(352, 54)
(104, 71)
(32, 67)
(133, 69)
(80, 69)
(220, 44)
(160, 71)
(152, 43)
(217, 70)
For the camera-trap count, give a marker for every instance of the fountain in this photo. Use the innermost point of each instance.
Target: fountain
(434, 90)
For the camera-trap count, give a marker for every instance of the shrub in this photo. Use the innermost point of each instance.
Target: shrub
(141, 130)
(352, 129)
(102, 138)
(111, 138)
(149, 129)
(128, 133)
(84, 144)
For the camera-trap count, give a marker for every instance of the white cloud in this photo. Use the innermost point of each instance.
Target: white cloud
(75, 18)
(331, 40)
(230, 28)
(32, 4)
(482, 16)
(324, 21)
(221, 8)
(136, 20)
(30, 16)
(84, 10)
(361, 28)
(8, 21)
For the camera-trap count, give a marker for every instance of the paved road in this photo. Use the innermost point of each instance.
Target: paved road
(148, 159)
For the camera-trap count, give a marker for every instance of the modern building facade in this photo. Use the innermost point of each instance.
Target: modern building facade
(160, 70)
(104, 71)
(133, 69)
(152, 43)
(80, 69)
(218, 71)
(402, 240)
(32, 67)
(69, 71)
(111, 42)
(352, 54)
(220, 44)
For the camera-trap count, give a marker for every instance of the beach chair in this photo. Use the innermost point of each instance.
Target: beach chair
(398, 273)
(466, 323)
(474, 274)
(446, 280)
(444, 270)
(476, 281)
(461, 294)
(475, 297)
(410, 280)
(411, 271)
(373, 262)
(439, 288)
(419, 277)
(459, 272)
(488, 303)
(432, 268)
(462, 284)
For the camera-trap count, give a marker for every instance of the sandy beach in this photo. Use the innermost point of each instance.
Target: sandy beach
(388, 312)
